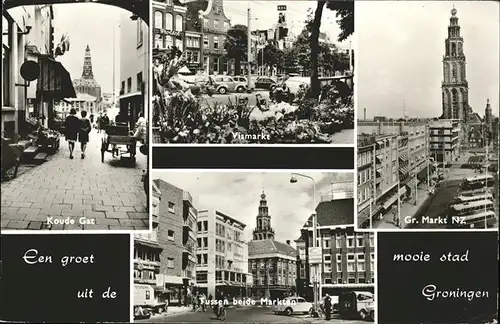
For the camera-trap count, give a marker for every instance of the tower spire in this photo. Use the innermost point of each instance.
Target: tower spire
(455, 88)
(87, 65)
(263, 231)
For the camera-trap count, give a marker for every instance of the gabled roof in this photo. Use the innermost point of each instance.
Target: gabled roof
(334, 213)
(270, 246)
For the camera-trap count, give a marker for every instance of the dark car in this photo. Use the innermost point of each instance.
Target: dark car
(265, 83)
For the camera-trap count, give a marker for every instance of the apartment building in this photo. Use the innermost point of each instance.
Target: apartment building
(177, 237)
(222, 255)
(445, 140)
(348, 256)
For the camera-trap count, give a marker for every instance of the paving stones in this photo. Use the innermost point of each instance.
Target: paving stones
(109, 195)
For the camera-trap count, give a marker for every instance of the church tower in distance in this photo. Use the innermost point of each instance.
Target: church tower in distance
(454, 88)
(264, 230)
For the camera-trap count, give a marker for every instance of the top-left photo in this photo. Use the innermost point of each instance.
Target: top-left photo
(74, 115)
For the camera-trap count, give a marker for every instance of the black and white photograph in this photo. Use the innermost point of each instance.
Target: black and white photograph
(427, 122)
(238, 246)
(75, 115)
(253, 72)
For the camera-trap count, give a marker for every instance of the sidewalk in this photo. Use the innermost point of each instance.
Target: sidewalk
(107, 195)
(410, 208)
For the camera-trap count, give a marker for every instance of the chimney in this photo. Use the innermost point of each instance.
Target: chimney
(288, 242)
(364, 114)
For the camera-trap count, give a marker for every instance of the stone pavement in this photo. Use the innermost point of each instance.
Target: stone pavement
(102, 196)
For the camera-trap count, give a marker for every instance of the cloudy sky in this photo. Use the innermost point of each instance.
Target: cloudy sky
(267, 15)
(400, 49)
(92, 24)
(238, 195)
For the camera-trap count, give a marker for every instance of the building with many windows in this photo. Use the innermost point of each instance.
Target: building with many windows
(148, 280)
(134, 67)
(444, 140)
(271, 263)
(209, 20)
(169, 25)
(177, 237)
(222, 255)
(400, 161)
(28, 35)
(348, 256)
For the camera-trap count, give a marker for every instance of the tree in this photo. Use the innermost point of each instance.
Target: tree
(236, 45)
(344, 10)
(272, 55)
(316, 24)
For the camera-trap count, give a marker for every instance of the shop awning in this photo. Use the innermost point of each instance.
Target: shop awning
(148, 244)
(422, 174)
(390, 201)
(403, 170)
(411, 184)
(363, 216)
(403, 156)
(54, 81)
(402, 191)
(173, 280)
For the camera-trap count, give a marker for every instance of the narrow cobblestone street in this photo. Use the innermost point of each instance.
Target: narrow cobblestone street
(90, 194)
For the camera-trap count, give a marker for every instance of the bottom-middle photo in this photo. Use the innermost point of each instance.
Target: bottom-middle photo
(253, 247)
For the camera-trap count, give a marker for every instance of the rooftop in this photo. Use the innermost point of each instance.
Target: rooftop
(270, 246)
(334, 213)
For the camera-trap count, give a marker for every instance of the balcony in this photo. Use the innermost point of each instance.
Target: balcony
(146, 264)
(186, 196)
(188, 249)
(188, 274)
(188, 225)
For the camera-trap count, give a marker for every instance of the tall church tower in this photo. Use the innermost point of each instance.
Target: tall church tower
(263, 231)
(488, 116)
(87, 65)
(455, 89)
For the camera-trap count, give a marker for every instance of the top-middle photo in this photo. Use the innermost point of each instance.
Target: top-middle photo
(253, 72)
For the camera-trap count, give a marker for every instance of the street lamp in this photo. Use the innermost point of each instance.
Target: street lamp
(293, 179)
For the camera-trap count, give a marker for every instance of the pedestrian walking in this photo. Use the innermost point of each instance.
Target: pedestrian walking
(203, 301)
(328, 308)
(140, 128)
(71, 129)
(91, 117)
(105, 121)
(83, 134)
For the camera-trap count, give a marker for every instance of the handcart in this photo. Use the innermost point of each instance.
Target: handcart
(118, 141)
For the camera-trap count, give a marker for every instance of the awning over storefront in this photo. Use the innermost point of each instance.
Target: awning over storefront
(173, 280)
(411, 184)
(363, 216)
(403, 170)
(390, 201)
(54, 81)
(403, 156)
(402, 191)
(148, 244)
(422, 175)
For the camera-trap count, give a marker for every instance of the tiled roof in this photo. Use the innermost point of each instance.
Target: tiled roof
(270, 246)
(334, 213)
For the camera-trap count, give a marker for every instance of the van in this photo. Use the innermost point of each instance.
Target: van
(357, 305)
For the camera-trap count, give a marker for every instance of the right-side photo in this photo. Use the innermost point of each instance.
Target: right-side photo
(427, 115)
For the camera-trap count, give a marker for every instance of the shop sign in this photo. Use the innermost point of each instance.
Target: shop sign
(168, 32)
(315, 255)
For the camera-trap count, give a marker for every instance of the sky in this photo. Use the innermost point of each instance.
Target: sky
(237, 194)
(92, 24)
(400, 46)
(267, 15)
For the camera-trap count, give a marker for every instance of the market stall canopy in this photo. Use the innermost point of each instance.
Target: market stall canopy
(54, 81)
(184, 70)
(139, 8)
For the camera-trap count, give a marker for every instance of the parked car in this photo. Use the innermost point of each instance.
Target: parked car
(264, 82)
(293, 305)
(225, 84)
(243, 79)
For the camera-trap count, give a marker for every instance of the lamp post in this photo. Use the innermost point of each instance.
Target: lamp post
(293, 179)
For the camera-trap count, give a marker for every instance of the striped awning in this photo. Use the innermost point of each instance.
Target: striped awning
(390, 201)
(403, 156)
(411, 184)
(403, 170)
